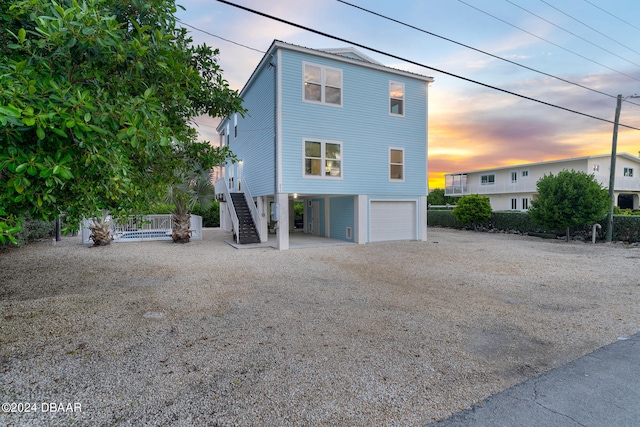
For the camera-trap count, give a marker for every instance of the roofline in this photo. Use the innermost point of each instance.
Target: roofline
(572, 159)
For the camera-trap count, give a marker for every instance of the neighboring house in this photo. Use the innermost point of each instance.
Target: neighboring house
(513, 187)
(337, 132)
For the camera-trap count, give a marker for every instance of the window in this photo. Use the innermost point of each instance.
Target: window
(525, 174)
(396, 164)
(322, 84)
(488, 179)
(514, 177)
(596, 167)
(323, 159)
(525, 203)
(235, 126)
(514, 204)
(396, 98)
(628, 172)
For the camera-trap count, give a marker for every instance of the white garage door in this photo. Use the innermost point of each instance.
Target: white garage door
(392, 221)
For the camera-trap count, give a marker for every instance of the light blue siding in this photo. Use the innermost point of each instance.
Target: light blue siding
(341, 216)
(255, 142)
(362, 124)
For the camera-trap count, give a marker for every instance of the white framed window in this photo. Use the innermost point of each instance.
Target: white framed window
(525, 203)
(396, 98)
(488, 179)
(514, 204)
(235, 126)
(628, 172)
(524, 173)
(322, 159)
(396, 164)
(596, 167)
(514, 177)
(322, 84)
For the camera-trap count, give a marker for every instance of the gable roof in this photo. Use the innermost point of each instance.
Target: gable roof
(573, 159)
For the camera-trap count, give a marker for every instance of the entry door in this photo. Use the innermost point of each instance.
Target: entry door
(315, 218)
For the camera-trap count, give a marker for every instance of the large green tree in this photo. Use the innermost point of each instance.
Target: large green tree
(97, 99)
(569, 199)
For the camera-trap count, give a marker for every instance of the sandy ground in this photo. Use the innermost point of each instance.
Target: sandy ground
(388, 334)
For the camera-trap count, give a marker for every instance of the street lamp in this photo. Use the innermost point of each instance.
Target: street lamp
(612, 172)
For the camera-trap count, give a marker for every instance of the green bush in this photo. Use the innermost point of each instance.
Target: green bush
(626, 228)
(472, 209)
(210, 216)
(32, 229)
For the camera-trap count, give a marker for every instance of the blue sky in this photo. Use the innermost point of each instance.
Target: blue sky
(593, 43)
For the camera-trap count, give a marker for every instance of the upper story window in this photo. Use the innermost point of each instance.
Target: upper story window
(488, 179)
(628, 172)
(322, 84)
(514, 177)
(525, 173)
(235, 126)
(596, 167)
(396, 98)
(396, 164)
(322, 159)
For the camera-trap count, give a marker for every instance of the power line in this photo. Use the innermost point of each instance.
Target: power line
(545, 40)
(275, 18)
(590, 27)
(218, 37)
(569, 32)
(611, 14)
(478, 50)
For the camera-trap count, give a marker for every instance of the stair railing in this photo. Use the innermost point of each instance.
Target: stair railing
(252, 206)
(232, 209)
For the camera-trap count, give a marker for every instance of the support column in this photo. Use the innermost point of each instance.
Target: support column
(282, 233)
(263, 213)
(422, 210)
(360, 219)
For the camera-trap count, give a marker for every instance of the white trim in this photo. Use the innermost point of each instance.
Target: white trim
(279, 118)
(323, 159)
(404, 99)
(403, 164)
(323, 69)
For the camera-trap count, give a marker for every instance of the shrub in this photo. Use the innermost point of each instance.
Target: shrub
(472, 209)
(32, 229)
(210, 216)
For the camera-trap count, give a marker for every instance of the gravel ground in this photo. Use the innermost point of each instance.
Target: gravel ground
(388, 334)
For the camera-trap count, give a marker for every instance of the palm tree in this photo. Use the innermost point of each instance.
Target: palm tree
(184, 195)
(101, 229)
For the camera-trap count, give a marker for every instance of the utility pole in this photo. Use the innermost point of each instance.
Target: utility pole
(612, 173)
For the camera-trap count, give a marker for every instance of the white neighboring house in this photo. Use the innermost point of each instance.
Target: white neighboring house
(513, 187)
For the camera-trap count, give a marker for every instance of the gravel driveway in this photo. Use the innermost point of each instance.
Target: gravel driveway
(386, 334)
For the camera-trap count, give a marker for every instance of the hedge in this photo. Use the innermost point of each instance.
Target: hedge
(626, 228)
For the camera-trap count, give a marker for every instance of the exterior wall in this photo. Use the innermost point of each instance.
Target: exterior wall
(362, 124)
(254, 144)
(341, 216)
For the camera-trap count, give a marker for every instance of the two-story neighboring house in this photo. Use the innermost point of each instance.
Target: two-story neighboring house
(337, 132)
(513, 187)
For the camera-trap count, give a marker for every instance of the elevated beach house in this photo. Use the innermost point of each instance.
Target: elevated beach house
(513, 187)
(334, 135)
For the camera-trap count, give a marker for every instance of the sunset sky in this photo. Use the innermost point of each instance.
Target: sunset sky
(592, 43)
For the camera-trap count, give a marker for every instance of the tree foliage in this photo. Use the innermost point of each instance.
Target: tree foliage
(437, 197)
(569, 199)
(97, 99)
(472, 209)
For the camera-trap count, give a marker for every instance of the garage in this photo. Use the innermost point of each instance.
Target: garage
(392, 220)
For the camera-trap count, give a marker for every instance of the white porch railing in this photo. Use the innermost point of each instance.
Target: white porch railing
(221, 185)
(137, 228)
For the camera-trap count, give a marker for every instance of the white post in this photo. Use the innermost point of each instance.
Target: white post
(360, 219)
(282, 233)
(263, 213)
(422, 209)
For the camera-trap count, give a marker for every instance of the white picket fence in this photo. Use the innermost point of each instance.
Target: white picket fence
(138, 228)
